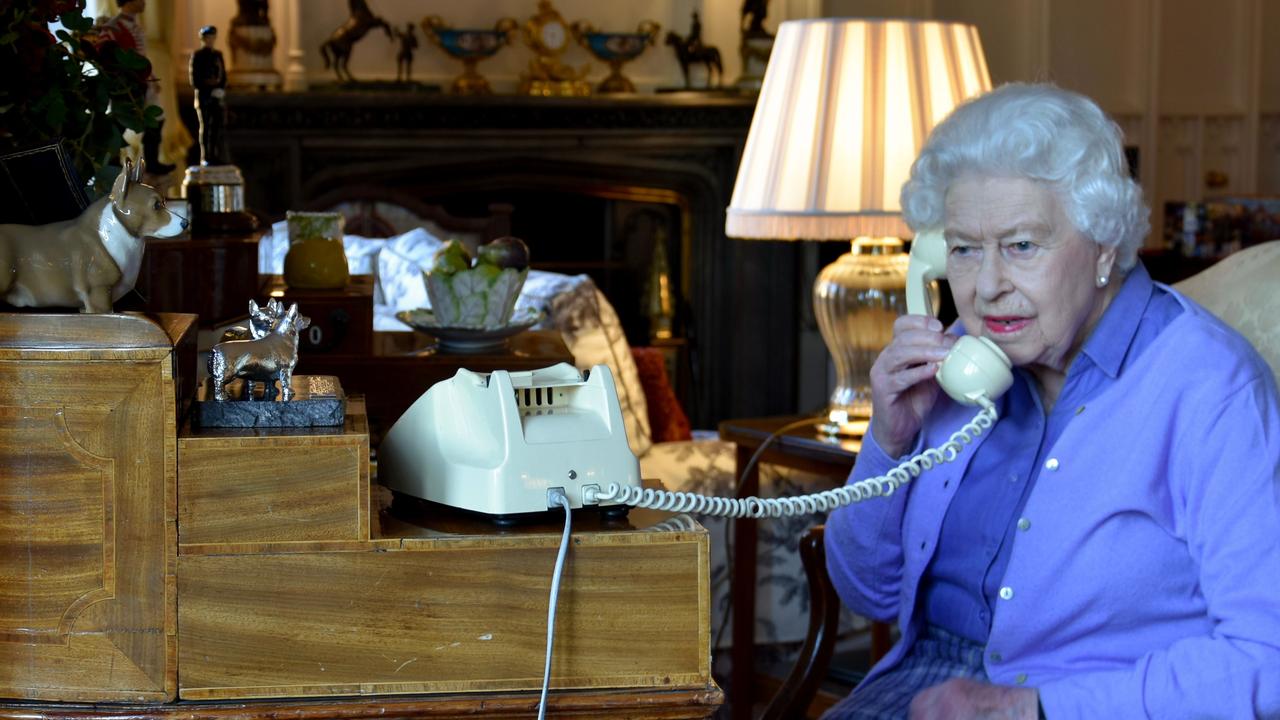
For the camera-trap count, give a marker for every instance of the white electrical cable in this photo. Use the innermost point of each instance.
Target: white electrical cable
(755, 507)
(559, 497)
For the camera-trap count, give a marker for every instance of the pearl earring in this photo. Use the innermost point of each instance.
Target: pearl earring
(1102, 281)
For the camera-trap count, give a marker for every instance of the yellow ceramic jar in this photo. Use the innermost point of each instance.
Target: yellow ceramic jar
(316, 259)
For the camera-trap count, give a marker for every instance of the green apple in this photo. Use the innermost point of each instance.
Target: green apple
(505, 252)
(451, 258)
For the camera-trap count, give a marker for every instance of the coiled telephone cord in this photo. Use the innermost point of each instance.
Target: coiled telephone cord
(755, 507)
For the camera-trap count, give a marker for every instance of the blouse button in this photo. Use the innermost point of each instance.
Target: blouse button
(1051, 464)
(1021, 678)
(1024, 524)
(1006, 593)
(996, 657)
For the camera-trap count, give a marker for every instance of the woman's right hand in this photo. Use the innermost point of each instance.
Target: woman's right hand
(903, 390)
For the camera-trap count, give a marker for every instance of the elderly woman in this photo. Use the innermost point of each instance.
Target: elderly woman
(1110, 548)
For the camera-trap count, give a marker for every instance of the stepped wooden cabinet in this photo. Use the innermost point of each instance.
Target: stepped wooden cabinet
(146, 561)
(88, 532)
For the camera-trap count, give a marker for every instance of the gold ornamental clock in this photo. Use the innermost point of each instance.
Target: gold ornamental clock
(547, 34)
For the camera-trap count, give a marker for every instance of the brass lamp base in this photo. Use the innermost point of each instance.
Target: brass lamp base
(840, 423)
(856, 300)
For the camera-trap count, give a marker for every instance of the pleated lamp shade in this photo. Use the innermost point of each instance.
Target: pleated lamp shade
(845, 107)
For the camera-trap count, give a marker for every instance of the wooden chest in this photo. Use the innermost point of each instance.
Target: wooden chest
(274, 484)
(341, 320)
(88, 541)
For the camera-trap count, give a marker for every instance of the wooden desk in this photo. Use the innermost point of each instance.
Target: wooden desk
(439, 601)
(403, 365)
(638, 703)
(802, 448)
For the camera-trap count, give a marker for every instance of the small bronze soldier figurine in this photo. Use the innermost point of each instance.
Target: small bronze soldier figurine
(404, 60)
(209, 79)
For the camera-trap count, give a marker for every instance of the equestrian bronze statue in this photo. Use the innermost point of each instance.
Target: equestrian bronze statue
(336, 51)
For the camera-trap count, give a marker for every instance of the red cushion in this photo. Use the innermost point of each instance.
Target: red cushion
(666, 418)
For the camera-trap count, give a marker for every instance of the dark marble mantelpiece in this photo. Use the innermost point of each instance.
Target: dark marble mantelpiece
(741, 297)
(330, 111)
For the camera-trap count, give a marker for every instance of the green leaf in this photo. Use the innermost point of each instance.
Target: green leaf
(8, 38)
(75, 21)
(56, 113)
(105, 176)
(131, 60)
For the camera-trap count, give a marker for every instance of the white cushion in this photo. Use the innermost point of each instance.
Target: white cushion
(417, 245)
(362, 253)
(272, 247)
(1241, 291)
(591, 329)
(399, 280)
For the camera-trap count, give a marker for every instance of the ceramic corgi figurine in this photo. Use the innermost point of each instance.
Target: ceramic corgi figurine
(89, 261)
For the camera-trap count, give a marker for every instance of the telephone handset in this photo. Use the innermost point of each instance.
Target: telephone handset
(975, 372)
(976, 366)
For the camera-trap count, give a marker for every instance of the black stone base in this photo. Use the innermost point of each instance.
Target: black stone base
(318, 401)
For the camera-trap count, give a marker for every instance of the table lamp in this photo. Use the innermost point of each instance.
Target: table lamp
(845, 107)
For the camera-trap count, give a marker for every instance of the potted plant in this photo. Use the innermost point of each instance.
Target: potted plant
(75, 85)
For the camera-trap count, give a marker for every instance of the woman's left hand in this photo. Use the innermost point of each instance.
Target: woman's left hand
(964, 699)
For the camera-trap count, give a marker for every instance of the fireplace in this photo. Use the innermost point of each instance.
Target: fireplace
(594, 184)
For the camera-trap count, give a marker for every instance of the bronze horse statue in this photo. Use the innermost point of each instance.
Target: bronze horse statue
(692, 52)
(337, 49)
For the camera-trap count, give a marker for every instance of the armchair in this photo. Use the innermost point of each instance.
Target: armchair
(1239, 290)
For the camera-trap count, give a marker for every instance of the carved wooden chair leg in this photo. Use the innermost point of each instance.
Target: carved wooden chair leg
(824, 618)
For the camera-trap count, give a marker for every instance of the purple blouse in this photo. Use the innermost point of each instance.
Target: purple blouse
(1143, 569)
(960, 587)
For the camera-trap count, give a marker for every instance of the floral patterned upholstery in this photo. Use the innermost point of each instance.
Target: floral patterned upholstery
(1241, 291)
(707, 466)
(591, 329)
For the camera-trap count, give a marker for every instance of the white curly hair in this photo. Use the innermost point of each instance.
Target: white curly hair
(1043, 133)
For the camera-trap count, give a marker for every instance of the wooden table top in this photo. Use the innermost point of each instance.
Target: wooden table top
(805, 442)
(632, 703)
(408, 518)
(416, 346)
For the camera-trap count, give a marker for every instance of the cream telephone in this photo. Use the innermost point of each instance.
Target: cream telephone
(976, 367)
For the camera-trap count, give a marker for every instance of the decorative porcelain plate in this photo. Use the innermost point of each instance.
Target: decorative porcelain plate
(469, 340)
